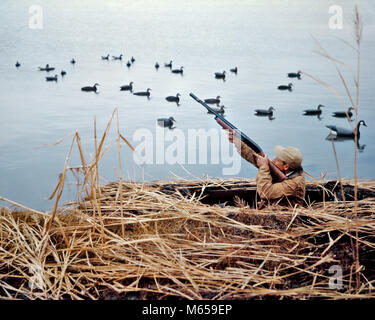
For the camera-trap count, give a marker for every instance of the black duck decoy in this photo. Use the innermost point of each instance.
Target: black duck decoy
(173, 98)
(267, 112)
(132, 59)
(295, 75)
(143, 93)
(128, 87)
(220, 75)
(18, 64)
(168, 65)
(178, 70)
(166, 122)
(46, 68)
(234, 70)
(157, 65)
(128, 64)
(73, 61)
(52, 78)
(344, 132)
(213, 100)
(63, 73)
(105, 57)
(90, 89)
(288, 87)
(117, 58)
(313, 111)
(218, 110)
(342, 114)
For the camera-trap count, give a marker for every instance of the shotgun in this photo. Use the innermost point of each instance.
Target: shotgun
(276, 173)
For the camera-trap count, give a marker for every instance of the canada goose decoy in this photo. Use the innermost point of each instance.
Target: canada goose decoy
(234, 70)
(220, 75)
(128, 64)
(342, 114)
(218, 110)
(143, 93)
(132, 59)
(128, 87)
(89, 89)
(178, 70)
(157, 65)
(265, 112)
(344, 132)
(166, 122)
(73, 61)
(313, 111)
(295, 75)
(52, 78)
(18, 64)
(117, 58)
(63, 73)
(168, 65)
(288, 87)
(213, 100)
(173, 98)
(106, 57)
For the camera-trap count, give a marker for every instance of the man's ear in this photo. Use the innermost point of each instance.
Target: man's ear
(286, 167)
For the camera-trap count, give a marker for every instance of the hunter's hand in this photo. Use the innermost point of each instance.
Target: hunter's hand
(261, 160)
(231, 137)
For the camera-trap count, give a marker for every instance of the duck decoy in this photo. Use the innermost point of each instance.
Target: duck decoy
(213, 100)
(295, 75)
(52, 78)
(166, 122)
(128, 64)
(18, 64)
(288, 87)
(218, 110)
(220, 75)
(63, 73)
(88, 88)
(173, 98)
(46, 68)
(157, 65)
(132, 59)
(342, 114)
(117, 58)
(265, 112)
(168, 65)
(128, 87)
(73, 61)
(234, 70)
(143, 93)
(105, 57)
(313, 111)
(178, 70)
(344, 132)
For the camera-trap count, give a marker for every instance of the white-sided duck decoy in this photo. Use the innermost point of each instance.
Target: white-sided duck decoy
(132, 59)
(117, 58)
(127, 87)
(178, 70)
(342, 114)
(288, 87)
(313, 111)
(18, 64)
(90, 89)
(166, 122)
(265, 112)
(218, 110)
(173, 98)
(73, 61)
(105, 57)
(344, 132)
(234, 70)
(168, 65)
(220, 75)
(157, 65)
(128, 64)
(295, 75)
(52, 78)
(213, 100)
(143, 93)
(63, 73)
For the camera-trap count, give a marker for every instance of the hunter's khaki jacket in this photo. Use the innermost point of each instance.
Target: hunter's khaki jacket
(289, 192)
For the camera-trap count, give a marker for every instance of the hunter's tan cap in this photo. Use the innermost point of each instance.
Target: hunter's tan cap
(289, 155)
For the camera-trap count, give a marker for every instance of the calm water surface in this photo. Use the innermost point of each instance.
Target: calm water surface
(264, 39)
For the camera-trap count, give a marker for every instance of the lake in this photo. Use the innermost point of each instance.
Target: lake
(264, 39)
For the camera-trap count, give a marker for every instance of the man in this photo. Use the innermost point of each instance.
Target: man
(288, 160)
